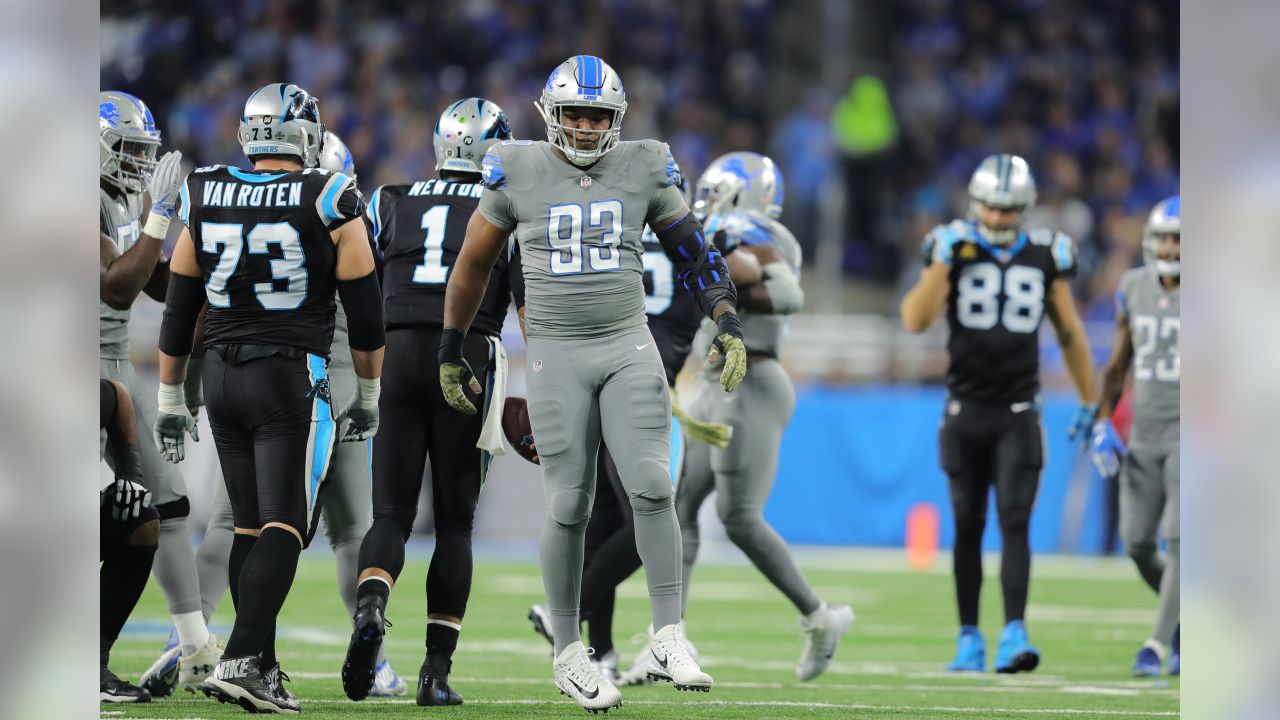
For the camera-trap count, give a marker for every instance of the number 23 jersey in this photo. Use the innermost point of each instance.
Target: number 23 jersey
(994, 310)
(264, 247)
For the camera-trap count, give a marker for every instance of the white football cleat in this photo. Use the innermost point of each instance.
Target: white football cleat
(577, 677)
(194, 668)
(608, 666)
(669, 660)
(823, 629)
(386, 682)
(638, 673)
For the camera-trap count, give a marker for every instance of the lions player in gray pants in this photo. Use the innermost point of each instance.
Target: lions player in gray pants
(577, 205)
(741, 194)
(1147, 330)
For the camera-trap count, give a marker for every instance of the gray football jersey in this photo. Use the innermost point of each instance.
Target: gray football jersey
(1153, 314)
(121, 222)
(761, 333)
(579, 230)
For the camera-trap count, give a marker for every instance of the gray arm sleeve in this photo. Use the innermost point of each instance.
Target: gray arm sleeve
(784, 288)
(496, 208)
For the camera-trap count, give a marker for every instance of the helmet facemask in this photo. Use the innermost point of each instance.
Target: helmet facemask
(1002, 236)
(129, 161)
(1162, 250)
(566, 138)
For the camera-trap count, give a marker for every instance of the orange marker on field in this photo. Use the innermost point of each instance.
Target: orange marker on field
(922, 535)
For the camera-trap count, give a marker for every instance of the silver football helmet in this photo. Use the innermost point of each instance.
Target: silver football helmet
(582, 81)
(128, 141)
(1165, 219)
(739, 181)
(336, 157)
(466, 131)
(282, 119)
(1002, 181)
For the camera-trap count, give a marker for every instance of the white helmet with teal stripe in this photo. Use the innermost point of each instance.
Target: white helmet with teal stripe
(282, 119)
(1165, 220)
(1003, 182)
(582, 81)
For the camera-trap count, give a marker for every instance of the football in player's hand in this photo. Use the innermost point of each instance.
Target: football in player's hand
(515, 425)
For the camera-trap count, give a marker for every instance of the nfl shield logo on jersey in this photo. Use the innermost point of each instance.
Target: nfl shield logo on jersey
(537, 366)
(585, 182)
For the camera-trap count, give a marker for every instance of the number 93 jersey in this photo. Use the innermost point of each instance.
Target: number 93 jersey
(264, 247)
(579, 230)
(994, 310)
(419, 227)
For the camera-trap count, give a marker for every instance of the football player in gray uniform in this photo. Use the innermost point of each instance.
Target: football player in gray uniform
(1147, 330)
(577, 204)
(131, 263)
(741, 195)
(346, 504)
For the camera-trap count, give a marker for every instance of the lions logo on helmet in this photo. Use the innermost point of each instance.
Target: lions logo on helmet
(1004, 182)
(1165, 221)
(128, 141)
(466, 131)
(739, 181)
(336, 157)
(582, 81)
(282, 119)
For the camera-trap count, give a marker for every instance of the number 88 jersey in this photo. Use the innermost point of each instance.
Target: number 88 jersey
(994, 310)
(263, 243)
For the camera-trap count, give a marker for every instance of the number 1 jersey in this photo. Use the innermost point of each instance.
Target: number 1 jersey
(263, 243)
(994, 310)
(419, 228)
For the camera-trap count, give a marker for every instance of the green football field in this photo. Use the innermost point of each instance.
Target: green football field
(1088, 617)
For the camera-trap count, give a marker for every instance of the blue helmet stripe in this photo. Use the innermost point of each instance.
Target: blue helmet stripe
(1174, 207)
(455, 105)
(590, 76)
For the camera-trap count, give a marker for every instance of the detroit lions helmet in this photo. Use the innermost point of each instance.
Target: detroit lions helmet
(336, 157)
(739, 181)
(466, 131)
(1165, 219)
(1002, 181)
(282, 119)
(582, 81)
(128, 141)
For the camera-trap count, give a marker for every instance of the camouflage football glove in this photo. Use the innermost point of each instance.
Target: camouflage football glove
(173, 423)
(361, 412)
(728, 343)
(455, 373)
(714, 434)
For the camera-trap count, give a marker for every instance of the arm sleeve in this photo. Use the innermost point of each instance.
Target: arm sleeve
(182, 303)
(362, 299)
(699, 265)
(339, 202)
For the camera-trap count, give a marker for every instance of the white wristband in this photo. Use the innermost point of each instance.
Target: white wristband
(157, 226)
(171, 398)
(368, 390)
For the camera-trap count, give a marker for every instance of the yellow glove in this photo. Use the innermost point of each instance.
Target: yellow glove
(714, 434)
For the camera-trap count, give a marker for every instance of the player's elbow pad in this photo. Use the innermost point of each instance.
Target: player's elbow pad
(183, 300)
(362, 299)
(702, 270)
(784, 288)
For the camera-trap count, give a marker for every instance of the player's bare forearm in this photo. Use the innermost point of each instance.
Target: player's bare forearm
(367, 363)
(173, 368)
(924, 301)
(1072, 340)
(126, 274)
(1111, 383)
(470, 274)
(123, 428)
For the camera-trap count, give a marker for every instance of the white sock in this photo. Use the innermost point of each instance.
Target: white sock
(192, 633)
(1158, 646)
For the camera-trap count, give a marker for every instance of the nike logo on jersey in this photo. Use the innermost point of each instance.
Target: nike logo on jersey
(583, 691)
(1021, 406)
(641, 347)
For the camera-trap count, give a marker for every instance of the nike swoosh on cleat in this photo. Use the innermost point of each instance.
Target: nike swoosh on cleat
(583, 691)
(641, 347)
(661, 661)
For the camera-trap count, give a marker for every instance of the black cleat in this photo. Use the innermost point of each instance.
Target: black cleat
(276, 678)
(114, 690)
(240, 681)
(434, 690)
(362, 654)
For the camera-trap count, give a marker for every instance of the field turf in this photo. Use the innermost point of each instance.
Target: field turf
(1088, 617)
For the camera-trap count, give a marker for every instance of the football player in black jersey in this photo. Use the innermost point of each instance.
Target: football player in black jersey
(997, 282)
(268, 249)
(419, 228)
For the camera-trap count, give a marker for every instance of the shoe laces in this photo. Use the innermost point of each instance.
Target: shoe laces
(583, 671)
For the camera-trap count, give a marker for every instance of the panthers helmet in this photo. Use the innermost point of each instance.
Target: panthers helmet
(1165, 219)
(582, 81)
(466, 131)
(336, 157)
(128, 141)
(282, 119)
(739, 181)
(1002, 181)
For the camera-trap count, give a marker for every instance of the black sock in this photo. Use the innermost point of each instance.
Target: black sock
(373, 589)
(448, 582)
(264, 584)
(125, 569)
(442, 641)
(241, 546)
(268, 654)
(383, 547)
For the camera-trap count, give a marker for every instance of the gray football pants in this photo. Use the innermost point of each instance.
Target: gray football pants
(581, 390)
(175, 562)
(346, 503)
(1150, 478)
(742, 475)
